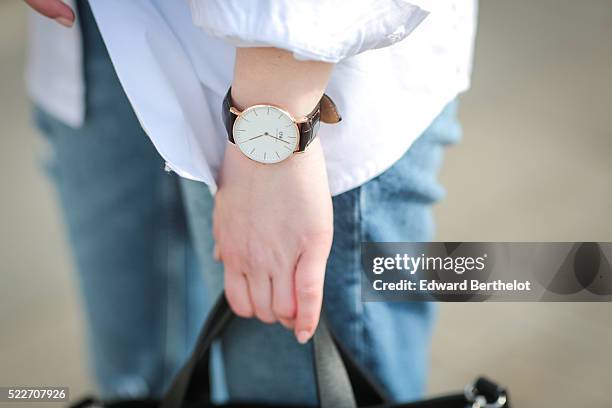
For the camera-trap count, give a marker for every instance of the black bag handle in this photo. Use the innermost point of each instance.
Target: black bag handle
(334, 382)
(218, 318)
(341, 382)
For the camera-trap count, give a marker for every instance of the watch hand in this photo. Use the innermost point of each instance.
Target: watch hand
(255, 137)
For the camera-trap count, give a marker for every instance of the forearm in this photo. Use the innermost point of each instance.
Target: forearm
(274, 76)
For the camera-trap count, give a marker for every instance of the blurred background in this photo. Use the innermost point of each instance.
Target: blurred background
(537, 150)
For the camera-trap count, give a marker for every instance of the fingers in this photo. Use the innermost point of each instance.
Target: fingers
(283, 296)
(54, 9)
(309, 276)
(237, 292)
(260, 290)
(249, 293)
(251, 296)
(293, 299)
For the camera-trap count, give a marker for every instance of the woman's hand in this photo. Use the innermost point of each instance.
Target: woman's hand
(273, 225)
(55, 9)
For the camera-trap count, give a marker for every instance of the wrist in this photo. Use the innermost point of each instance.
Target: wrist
(272, 76)
(298, 104)
(249, 166)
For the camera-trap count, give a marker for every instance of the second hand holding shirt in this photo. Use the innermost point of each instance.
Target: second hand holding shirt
(175, 61)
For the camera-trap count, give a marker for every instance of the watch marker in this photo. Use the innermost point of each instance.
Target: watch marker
(265, 155)
(277, 155)
(252, 151)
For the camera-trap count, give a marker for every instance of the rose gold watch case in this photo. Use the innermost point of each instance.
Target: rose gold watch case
(240, 113)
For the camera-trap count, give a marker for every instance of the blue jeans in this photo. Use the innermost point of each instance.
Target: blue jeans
(142, 245)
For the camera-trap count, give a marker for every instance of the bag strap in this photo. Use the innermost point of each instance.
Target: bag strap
(334, 387)
(334, 382)
(340, 381)
(218, 318)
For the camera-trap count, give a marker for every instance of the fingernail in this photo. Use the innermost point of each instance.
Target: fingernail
(64, 21)
(303, 337)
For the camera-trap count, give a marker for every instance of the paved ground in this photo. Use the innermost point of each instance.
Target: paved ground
(535, 165)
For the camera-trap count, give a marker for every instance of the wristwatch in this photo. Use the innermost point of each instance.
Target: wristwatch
(269, 134)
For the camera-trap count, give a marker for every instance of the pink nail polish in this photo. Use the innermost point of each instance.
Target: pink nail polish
(64, 21)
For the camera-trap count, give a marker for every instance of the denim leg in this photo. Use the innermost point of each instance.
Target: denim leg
(390, 339)
(265, 362)
(138, 274)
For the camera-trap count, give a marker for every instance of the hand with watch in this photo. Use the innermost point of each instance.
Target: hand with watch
(273, 216)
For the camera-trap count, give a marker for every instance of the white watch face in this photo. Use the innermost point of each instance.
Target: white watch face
(266, 134)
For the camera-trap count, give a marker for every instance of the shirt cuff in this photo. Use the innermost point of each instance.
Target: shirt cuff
(324, 30)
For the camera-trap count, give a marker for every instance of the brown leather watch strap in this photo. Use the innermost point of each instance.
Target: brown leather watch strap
(309, 128)
(228, 116)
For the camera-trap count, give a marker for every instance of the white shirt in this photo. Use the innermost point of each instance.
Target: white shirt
(398, 64)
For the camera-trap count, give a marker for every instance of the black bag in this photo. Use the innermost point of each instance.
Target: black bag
(341, 383)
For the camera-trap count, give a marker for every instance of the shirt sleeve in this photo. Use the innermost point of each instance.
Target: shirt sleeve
(321, 30)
